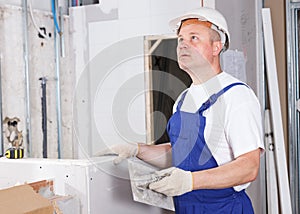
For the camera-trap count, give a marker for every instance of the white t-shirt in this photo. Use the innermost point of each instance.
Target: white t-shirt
(233, 123)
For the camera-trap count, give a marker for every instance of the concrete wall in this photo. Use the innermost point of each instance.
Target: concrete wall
(41, 63)
(36, 4)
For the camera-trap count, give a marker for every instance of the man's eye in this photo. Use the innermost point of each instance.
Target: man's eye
(194, 38)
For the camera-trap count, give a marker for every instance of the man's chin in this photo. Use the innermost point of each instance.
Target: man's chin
(184, 66)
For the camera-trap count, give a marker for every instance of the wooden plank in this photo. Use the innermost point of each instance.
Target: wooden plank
(148, 92)
(276, 119)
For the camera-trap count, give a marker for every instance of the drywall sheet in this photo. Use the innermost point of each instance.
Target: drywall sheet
(97, 183)
(108, 53)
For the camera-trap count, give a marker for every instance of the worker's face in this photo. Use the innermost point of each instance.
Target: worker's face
(195, 47)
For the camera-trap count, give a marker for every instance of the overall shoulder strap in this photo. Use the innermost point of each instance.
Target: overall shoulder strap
(181, 101)
(213, 98)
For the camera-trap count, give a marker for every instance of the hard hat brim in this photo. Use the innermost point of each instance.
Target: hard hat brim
(176, 22)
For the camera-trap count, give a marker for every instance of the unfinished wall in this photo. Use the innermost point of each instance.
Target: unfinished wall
(37, 4)
(41, 64)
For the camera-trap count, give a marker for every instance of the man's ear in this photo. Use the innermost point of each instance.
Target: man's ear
(217, 48)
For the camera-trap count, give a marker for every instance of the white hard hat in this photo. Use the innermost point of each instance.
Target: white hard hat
(206, 14)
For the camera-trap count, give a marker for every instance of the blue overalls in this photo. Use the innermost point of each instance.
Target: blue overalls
(190, 152)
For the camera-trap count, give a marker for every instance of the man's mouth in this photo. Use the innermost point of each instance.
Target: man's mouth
(183, 54)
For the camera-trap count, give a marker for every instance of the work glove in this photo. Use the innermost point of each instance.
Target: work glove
(173, 182)
(123, 151)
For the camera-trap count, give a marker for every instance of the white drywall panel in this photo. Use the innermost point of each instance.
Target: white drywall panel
(106, 38)
(100, 186)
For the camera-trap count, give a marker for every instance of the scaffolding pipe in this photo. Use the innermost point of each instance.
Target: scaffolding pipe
(57, 69)
(27, 81)
(44, 115)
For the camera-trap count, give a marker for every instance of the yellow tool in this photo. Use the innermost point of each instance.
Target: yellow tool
(14, 153)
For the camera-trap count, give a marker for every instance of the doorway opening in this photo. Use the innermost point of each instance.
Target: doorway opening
(164, 83)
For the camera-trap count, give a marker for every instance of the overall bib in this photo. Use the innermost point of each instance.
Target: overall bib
(190, 152)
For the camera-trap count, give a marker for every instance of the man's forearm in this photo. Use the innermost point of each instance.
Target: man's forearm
(157, 155)
(242, 170)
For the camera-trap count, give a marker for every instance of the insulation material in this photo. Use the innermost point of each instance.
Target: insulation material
(141, 175)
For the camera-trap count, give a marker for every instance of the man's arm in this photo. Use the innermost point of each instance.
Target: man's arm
(157, 155)
(177, 181)
(242, 170)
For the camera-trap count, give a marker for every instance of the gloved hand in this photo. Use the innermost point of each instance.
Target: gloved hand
(175, 182)
(123, 151)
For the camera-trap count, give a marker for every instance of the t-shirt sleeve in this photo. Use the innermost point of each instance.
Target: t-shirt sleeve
(244, 128)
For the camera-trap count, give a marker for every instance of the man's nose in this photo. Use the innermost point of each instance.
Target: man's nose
(182, 44)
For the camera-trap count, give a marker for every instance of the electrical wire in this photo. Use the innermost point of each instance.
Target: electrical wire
(34, 23)
(74, 3)
(54, 16)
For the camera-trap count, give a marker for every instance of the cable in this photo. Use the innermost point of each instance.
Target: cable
(74, 3)
(54, 16)
(34, 23)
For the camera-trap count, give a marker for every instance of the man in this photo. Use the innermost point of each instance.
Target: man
(215, 131)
